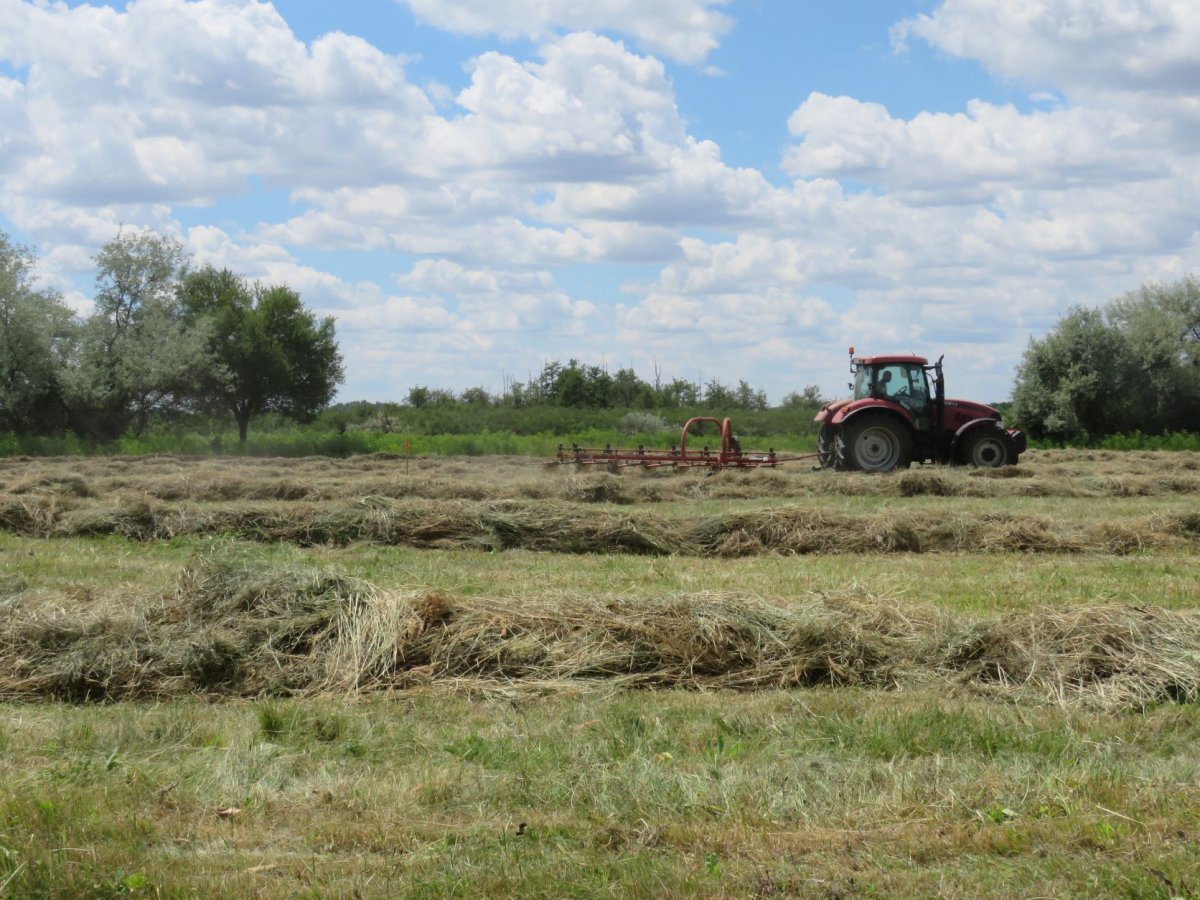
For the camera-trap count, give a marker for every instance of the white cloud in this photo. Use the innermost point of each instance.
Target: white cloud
(496, 300)
(1083, 46)
(16, 137)
(589, 110)
(176, 101)
(683, 30)
(690, 186)
(971, 157)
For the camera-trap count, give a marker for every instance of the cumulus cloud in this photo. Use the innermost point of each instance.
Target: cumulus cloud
(16, 138)
(496, 300)
(689, 186)
(683, 30)
(971, 156)
(1082, 46)
(175, 101)
(590, 110)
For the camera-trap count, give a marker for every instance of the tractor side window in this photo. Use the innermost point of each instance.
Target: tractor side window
(862, 383)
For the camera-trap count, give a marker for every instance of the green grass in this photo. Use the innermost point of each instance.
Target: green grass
(627, 793)
(82, 570)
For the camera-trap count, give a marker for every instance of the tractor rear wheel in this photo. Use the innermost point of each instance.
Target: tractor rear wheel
(826, 447)
(989, 448)
(874, 443)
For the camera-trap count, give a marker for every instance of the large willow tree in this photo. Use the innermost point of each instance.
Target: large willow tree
(1132, 366)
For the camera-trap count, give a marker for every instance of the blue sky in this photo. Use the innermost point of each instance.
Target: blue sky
(738, 188)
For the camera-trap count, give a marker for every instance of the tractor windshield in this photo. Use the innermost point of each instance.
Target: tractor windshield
(862, 382)
(902, 383)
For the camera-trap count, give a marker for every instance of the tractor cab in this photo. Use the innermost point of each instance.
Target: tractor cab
(902, 380)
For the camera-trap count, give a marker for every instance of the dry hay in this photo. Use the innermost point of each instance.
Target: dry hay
(218, 488)
(35, 515)
(924, 482)
(561, 527)
(285, 629)
(802, 531)
(1125, 656)
(54, 483)
(136, 519)
(506, 503)
(233, 625)
(75, 656)
(605, 489)
(1182, 524)
(1002, 472)
(236, 625)
(206, 480)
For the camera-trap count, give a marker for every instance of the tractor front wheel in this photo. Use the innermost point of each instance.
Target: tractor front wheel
(874, 443)
(989, 448)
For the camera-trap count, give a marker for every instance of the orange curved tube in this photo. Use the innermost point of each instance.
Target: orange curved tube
(726, 433)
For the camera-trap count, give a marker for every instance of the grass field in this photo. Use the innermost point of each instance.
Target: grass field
(486, 677)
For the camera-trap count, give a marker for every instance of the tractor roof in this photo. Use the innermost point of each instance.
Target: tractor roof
(891, 360)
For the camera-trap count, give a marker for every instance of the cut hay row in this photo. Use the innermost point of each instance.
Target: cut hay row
(1067, 474)
(236, 626)
(575, 528)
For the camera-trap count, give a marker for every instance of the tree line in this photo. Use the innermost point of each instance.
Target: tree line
(580, 386)
(166, 340)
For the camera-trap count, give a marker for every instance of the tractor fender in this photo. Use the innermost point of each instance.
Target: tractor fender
(966, 429)
(844, 416)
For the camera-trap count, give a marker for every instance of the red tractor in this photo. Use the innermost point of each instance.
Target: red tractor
(894, 419)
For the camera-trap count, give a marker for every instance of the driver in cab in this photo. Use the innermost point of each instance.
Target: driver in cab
(881, 390)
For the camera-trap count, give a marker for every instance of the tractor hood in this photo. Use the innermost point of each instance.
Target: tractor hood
(971, 409)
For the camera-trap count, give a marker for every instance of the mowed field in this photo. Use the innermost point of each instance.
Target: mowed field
(486, 677)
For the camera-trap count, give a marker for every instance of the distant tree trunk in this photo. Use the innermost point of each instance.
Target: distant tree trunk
(243, 422)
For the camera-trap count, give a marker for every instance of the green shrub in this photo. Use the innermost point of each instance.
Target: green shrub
(637, 422)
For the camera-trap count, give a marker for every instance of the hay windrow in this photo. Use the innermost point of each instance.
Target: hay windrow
(1124, 656)
(234, 625)
(65, 483)
(560, 527)
(182, 480)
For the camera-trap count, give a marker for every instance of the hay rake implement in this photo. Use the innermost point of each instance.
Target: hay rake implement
(729, 456)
